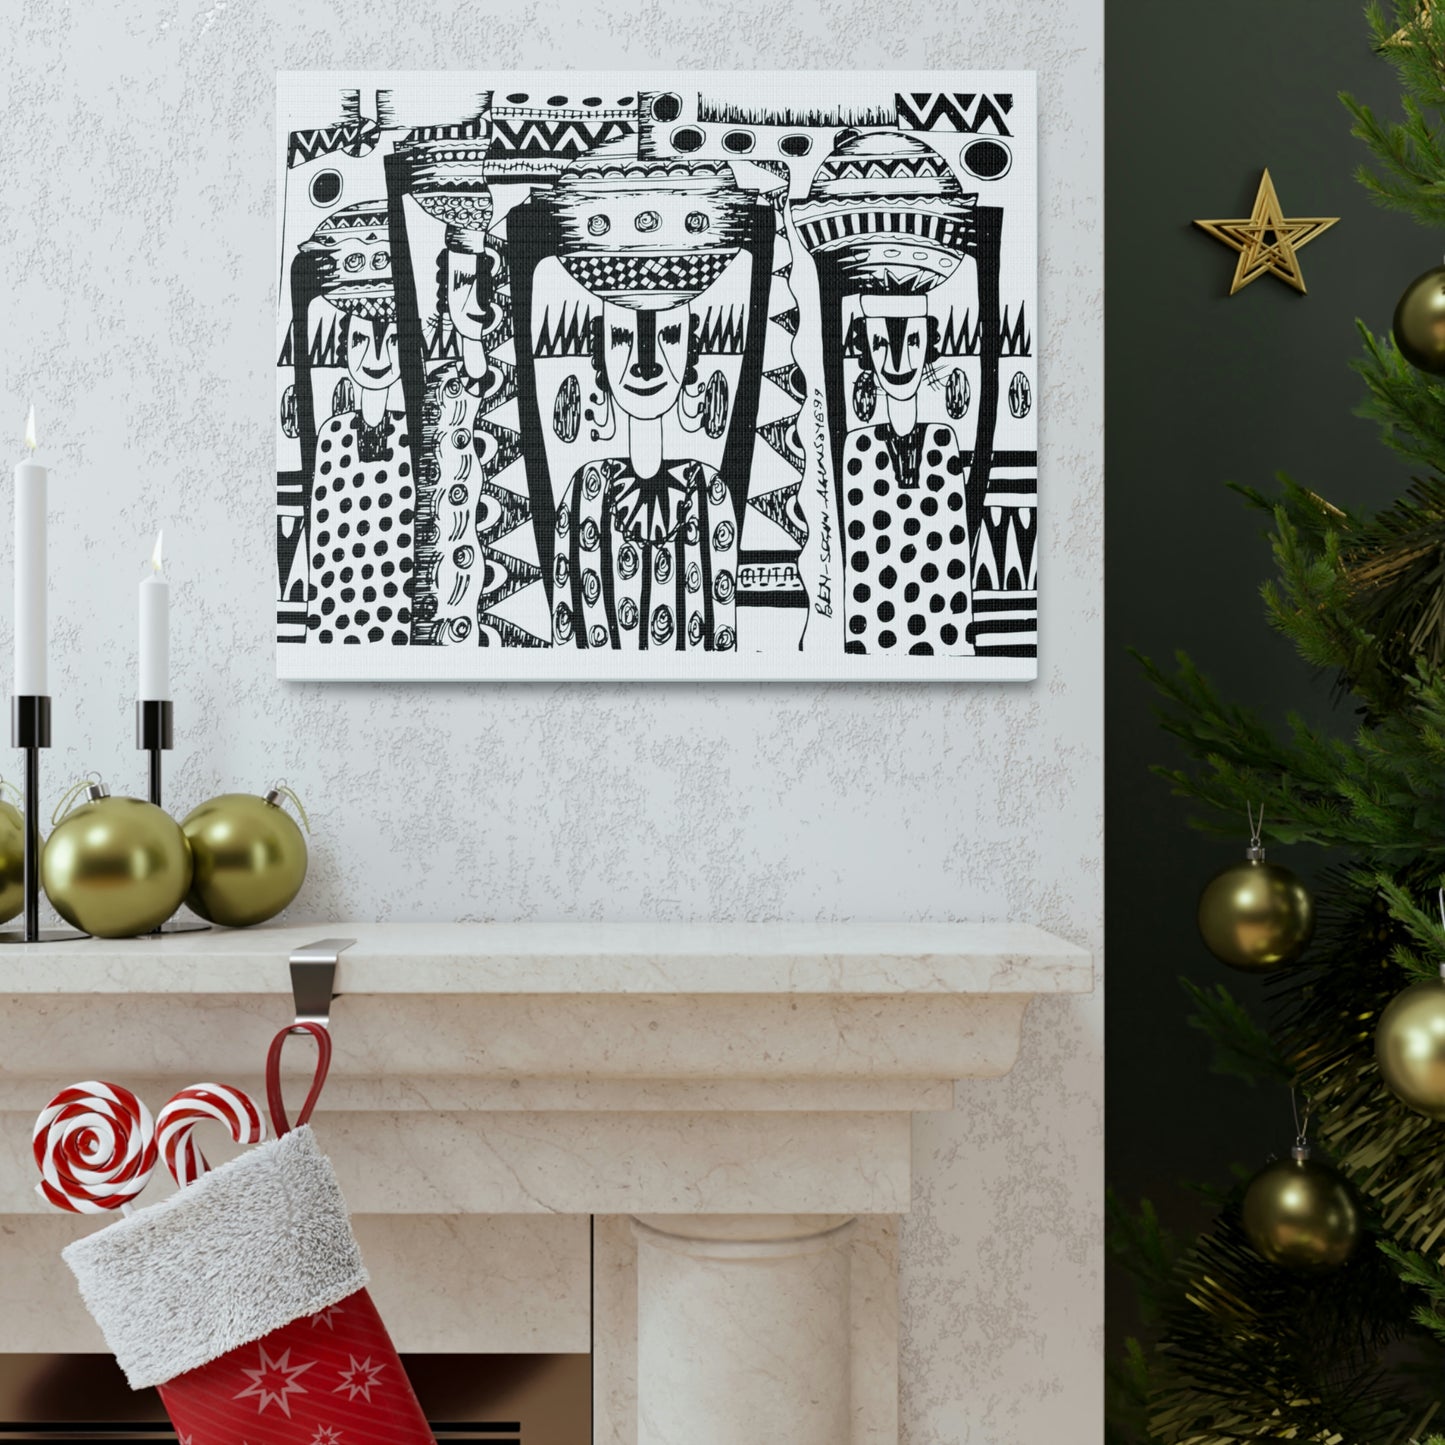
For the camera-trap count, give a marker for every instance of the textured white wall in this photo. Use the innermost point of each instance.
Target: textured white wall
(138, 245)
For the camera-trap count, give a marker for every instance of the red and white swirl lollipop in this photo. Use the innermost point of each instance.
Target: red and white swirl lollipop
(204, 1104)
(95, 1146)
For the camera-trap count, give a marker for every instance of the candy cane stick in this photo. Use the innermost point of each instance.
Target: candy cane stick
(95, 1146)
(200, 1104)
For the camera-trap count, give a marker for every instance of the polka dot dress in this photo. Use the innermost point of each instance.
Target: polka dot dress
(362, 512)
(646, 566)
(909, 589)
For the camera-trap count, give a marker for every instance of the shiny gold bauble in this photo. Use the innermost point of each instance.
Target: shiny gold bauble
(12, 861)
(1301, 1214)
(1256, 916)
(1410, 1047)
(250, 858)
(1420, 321)
(115, 867)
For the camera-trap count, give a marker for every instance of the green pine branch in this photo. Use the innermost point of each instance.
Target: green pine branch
(1255, 1353)
(1408, 173)
(1377, 794)
(1242, 1049)
(1426, 1276)
(1145, 1248)
(1126, 1396)
(1407, 405)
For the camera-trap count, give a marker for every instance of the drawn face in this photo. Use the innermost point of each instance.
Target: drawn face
(371, 354)
(466, 304)
(898, 346)
(646, 357)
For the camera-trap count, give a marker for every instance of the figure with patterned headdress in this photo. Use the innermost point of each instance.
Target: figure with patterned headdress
(888, 218)
(463, 567)
(363, 493)
(445, 168)
(647, 543)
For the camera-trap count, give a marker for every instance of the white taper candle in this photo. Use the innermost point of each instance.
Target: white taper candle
(155, 632)
(30, 571)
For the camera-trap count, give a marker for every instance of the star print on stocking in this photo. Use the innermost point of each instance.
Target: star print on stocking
(304, 1385)
(274, 1381)
(326, 1317)
(359, 1378)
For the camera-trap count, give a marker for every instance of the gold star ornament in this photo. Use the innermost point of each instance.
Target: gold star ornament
(1268, 242)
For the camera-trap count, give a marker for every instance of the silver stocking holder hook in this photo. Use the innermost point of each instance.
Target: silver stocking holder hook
(313, 978)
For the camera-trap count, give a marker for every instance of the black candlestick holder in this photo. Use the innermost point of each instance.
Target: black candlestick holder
(30, 731)
(155, 734)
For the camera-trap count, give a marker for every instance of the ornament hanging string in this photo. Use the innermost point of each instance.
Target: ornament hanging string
(1440, 899)
(280, 786)
(1301, 1129)
(6, 783)
(1256, 830)
(67, 799)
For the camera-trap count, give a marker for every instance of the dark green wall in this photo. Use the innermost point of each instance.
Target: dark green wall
(1205, 388)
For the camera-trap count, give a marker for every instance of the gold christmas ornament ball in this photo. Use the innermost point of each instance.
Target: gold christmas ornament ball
(115, 867)
(1419, 325)
(250, 858)
(1256, 916)
(12, 861)
(1410, 1047)
(1301, 1215)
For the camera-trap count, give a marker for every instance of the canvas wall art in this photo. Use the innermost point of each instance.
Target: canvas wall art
(657, 376)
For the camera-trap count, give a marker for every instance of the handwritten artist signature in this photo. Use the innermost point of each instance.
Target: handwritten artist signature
(823, 603)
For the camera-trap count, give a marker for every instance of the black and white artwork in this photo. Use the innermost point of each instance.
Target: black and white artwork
(656, 376)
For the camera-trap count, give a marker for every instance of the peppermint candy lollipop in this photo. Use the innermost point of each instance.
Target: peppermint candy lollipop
(95, 1146)
(200, 1104)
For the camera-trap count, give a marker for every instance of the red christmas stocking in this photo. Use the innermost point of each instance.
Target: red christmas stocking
(243, 1298)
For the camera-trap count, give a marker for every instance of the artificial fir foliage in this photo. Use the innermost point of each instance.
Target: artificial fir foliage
(1247, 1351)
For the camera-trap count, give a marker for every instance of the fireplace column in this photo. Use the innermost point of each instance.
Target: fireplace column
(743, 1329)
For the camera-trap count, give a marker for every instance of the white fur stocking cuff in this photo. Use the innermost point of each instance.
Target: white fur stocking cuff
(248, 1248)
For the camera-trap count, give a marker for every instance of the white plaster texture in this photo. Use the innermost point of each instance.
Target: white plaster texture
(139, 240)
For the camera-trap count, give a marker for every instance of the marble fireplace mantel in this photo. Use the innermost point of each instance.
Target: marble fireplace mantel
(732, 1102)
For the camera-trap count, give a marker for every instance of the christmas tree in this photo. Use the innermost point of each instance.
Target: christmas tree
(1249, 1343)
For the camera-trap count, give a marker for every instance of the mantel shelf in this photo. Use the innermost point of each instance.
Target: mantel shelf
(586, 959)
(615, 1068)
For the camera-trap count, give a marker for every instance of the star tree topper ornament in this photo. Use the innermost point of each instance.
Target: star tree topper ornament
(1268, 242)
